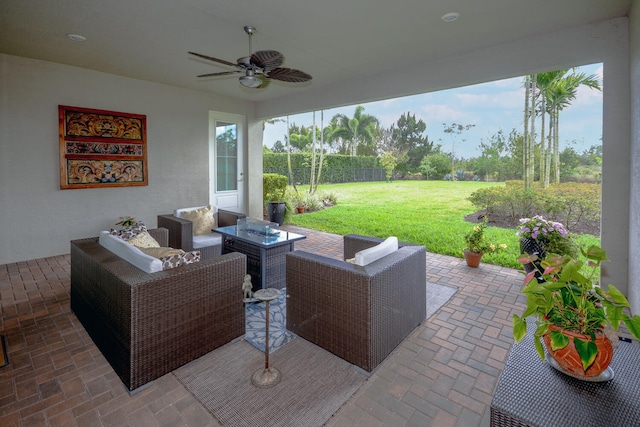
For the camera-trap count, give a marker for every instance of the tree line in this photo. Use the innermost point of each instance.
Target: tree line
(405, 150)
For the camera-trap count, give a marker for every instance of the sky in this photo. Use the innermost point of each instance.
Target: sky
(491, 107)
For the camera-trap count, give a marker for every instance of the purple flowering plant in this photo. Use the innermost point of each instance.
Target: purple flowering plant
(551, 235)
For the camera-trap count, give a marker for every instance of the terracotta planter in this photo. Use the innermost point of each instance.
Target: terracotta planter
(472, 258)
(300, 209)
(569, 359)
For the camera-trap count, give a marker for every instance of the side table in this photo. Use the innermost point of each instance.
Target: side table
(267, 377)
(532, 393)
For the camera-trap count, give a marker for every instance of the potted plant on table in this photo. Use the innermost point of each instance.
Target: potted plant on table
(575, 317)
(477, 245)
(539, 236)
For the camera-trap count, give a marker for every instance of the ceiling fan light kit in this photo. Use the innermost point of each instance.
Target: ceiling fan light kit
(259, 68)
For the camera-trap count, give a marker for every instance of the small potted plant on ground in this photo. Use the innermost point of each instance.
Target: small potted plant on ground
(477, 245)
(575, 317)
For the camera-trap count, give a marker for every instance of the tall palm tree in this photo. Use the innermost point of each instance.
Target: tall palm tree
(545, 82)
(358, 131)
(560, 95)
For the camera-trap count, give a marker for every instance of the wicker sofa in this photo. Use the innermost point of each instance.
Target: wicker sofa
(148, 324)
(358, 313)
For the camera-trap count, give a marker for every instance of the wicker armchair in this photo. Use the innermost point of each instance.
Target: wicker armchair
(181, 231)
(360, 314)
(148, 324)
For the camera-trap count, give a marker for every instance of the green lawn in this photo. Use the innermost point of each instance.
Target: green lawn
(430, 213)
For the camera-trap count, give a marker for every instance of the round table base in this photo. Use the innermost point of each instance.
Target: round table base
(265, 378)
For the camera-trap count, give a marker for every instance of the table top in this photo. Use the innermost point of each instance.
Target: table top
(279, 237)
(533, 393)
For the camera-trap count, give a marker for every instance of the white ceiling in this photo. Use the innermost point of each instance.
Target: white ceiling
(333, 40)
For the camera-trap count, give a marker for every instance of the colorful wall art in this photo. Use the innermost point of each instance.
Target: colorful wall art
(101, 148)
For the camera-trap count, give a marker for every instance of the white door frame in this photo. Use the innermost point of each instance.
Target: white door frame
(227, 199)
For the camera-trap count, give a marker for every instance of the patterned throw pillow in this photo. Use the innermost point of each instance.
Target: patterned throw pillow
(202, 219)
(159, 252)
(174, 261)
(144, 240)
(128, 233)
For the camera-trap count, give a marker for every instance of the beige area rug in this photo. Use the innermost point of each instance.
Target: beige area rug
(314, 384)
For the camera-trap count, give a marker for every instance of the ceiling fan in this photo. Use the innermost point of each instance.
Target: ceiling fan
(259, 68)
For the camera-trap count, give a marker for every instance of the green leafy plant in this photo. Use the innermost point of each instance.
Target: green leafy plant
(274, 187)
(476, 240)
(127, 221)
(573, 301)
(552, 236)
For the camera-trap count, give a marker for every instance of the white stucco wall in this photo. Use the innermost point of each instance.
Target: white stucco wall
(37, 219)
(634, 211)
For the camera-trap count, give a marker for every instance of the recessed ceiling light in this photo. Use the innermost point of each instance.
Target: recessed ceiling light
(450, 17)
(76, 37)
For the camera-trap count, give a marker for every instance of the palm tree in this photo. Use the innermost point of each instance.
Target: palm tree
(358, 131)
(544, 82)
(560, 95)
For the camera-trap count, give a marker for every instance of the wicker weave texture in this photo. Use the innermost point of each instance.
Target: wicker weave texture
(360, 314)
(272, 260)
(147, 325)
(532, 393)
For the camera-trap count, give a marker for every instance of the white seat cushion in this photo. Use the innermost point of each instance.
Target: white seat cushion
(129, 253)
(205, 240)
(367, 256)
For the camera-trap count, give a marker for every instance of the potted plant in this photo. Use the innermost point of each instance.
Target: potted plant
(539, 236)
(575, 317)
(477, 245)
(274, 187)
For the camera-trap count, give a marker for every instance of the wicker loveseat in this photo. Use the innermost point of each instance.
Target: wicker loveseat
(358, 313)
(148, 324)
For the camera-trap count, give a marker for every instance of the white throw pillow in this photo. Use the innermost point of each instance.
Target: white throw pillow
(129, 253)
(367, 256)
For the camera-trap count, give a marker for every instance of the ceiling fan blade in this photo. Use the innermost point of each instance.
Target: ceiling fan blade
(267, 59)
(211, 58)
(289, 75)
(222, 73)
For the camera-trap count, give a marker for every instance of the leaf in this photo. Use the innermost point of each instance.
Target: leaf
(633, 324)
(558, 340)
(596, 253)
(614, 294)
(519, 328)
(613, 313)
(529, 277)
(539, 348)
(587, 351)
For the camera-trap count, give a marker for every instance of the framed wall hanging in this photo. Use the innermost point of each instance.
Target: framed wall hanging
(101, 148)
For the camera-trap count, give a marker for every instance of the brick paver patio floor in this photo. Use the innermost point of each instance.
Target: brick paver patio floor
(442, 375)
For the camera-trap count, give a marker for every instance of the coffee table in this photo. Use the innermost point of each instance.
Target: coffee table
(266, 254)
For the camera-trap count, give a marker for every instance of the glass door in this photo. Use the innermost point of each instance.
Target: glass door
(227, 166)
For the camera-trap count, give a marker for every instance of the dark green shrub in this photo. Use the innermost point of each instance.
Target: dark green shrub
(274, 187)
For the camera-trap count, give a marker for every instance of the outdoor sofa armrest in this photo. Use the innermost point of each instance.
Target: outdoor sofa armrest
(180, 231)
